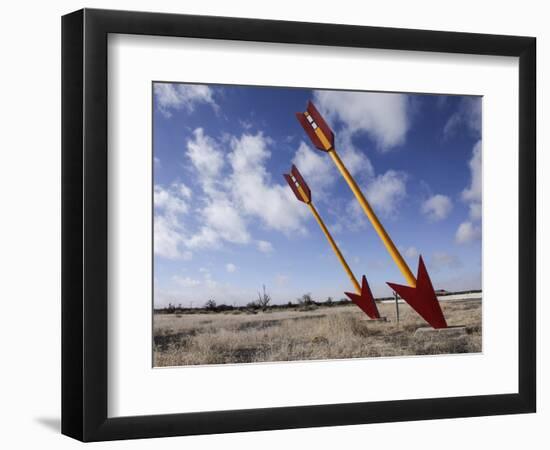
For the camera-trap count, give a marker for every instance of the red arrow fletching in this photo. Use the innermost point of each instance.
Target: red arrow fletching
(309, 131)
(422, 298)
(318, 118)
(295, 179)
(301, 182)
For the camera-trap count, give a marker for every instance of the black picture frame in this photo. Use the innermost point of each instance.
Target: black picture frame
(84, 224)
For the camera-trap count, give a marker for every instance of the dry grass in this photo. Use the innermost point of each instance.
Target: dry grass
(324, 333)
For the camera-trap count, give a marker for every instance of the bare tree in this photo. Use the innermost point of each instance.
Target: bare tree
(305, 300)
(263, 299)
(210, 305)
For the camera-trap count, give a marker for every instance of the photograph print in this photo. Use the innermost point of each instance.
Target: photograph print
(296, 224)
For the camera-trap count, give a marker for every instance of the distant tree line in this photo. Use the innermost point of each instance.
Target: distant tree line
(261, 302)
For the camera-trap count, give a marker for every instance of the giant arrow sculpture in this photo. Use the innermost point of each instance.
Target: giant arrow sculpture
(363, 298)
(419, 294)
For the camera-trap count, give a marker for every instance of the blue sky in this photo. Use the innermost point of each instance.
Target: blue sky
(226, 223)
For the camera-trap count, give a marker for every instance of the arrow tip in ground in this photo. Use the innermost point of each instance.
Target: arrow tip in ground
(365, 300)
(422, 298)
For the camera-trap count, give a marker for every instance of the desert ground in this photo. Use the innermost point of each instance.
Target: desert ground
(293, 334)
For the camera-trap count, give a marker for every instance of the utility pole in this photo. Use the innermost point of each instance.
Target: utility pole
(396, 306)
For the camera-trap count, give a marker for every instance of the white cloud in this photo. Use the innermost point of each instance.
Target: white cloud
(222, 222)
(316, 168)
(264, 246)
(356, 161)
(468, 116)
(185, 281)
(225, 219)
(205, 238)
(386, 192)
(475, 211)
(172, 201)
(205, 154)
(437, 207)
(442, 260)
(411, 252)
(467, 232)
(182, 96)
(253, 190)
(383, 116)
(223, 216)
(246, 124)
(167, 237)
(231, 268)
(237, 190)
(170, 204)
(473, 192)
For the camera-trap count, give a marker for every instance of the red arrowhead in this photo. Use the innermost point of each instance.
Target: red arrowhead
(422, 298)
(365, 300)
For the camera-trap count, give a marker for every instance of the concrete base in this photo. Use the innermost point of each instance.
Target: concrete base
(456, 331)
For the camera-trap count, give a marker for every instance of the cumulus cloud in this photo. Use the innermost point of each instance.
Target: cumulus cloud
(224, 217)
(383, 116)
(470, 230)
(386, 191)
(234, 191)
(467, 232)
(168, 238)
(206, 156)
(222, 221)
(475, 211)
(172, 201)
(316, 168)
(467, 116)
(264, 246)
(230, 267)
(170, 204)
(185, 281)
(177, 96)
(411, 252)
(437, 207)
(253, 190)
(473, 192)
(356, 161)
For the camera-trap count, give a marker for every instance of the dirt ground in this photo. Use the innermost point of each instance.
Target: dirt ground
(336, 332)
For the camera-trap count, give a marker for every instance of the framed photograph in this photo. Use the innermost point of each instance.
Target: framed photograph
(273, 225)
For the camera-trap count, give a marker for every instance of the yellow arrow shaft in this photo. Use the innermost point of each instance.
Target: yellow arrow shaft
(335, 248)
(331, 241)
(384, 236)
